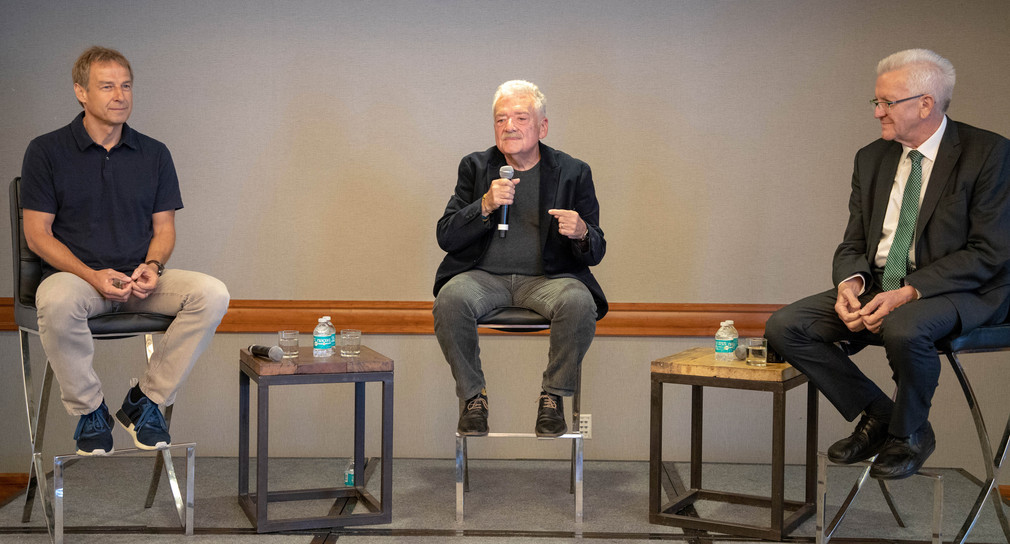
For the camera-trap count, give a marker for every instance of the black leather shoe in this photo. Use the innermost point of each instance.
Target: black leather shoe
(863, 443)
(473, 420)
(903, 457)
(550, 416)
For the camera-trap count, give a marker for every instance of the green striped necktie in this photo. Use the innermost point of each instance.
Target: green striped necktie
(897, 258)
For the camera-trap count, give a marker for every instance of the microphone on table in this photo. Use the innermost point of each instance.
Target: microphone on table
(274, 353)
(505, 172)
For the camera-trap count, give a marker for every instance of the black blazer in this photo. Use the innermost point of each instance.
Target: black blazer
(565, 183)
(962, 236)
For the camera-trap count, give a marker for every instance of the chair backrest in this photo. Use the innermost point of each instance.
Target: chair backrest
(28, 276)
(27, 265)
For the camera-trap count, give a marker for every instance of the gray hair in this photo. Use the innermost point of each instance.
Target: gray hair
(928, 73)
(519, 87)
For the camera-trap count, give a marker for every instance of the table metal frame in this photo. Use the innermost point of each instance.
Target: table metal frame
(255, 503)
(670, 512)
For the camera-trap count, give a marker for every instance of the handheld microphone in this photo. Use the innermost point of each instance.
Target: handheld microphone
(505, 172)
(274, 353)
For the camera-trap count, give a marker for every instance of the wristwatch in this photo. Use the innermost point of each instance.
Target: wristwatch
(161, 267)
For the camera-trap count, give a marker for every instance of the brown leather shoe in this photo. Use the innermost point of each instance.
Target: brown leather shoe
(865, 441)
(473, 420)
(550, 416)
(903, 457)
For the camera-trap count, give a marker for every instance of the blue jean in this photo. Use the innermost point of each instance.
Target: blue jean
(566, 302)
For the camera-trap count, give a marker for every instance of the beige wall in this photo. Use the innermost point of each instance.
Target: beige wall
(317, 143)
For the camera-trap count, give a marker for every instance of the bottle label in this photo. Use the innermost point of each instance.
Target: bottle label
(323, 342)
(725, 346)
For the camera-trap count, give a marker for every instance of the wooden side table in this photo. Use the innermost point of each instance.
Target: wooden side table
(698, 368)
(369, 366)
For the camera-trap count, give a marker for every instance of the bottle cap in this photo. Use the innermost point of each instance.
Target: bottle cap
(322, 320)
(729, 322)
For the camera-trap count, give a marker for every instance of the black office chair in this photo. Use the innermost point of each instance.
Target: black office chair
(27, 276)
(515, 319)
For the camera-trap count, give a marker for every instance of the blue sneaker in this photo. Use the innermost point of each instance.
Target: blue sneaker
(144, 422)
(94, 432)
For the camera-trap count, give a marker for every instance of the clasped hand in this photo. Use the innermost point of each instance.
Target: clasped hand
(119, 287)
(857, 317)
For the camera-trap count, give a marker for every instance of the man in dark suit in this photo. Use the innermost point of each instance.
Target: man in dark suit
(553, 238)
(925, 255)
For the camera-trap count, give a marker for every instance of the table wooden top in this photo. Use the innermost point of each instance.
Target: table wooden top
(701, 362)
(368, 360)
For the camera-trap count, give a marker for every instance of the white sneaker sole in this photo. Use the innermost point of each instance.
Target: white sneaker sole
(95, 453)
(133, 434)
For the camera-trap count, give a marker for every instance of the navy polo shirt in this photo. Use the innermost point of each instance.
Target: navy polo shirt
(103, 200)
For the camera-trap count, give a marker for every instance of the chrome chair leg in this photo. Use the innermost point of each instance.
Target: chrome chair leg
(45, 496)
(577, 445)
(159, 460)
(885, 490)
(576, 427)
(190, 487)
(184, 505)
(37, 415)
(992, 463)
(460, 470)
(466, 468)
(823, 531)
(159, 464)
(826, 531)
(173, 483)
(55, 521)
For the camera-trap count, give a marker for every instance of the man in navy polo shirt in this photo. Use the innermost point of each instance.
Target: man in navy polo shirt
(99, 204)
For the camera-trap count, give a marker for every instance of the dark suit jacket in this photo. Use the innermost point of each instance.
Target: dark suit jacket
(565, 183)
(962, 236)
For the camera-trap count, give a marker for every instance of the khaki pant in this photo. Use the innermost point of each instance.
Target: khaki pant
(65, 302)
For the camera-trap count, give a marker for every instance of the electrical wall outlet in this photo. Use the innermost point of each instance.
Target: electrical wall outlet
(586, 425)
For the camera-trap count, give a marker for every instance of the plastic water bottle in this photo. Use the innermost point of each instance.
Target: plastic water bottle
(322, 340)
(349, 474)
(726, 341)
(333, 334)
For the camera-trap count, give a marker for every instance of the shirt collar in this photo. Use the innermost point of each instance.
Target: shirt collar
(83, 139)
(931, 147)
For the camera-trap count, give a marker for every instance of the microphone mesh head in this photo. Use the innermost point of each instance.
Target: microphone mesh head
(506, 172)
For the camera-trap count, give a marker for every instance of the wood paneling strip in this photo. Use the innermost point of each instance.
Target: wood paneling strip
(414, 317)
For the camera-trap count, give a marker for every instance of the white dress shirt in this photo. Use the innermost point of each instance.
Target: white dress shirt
(929, 149)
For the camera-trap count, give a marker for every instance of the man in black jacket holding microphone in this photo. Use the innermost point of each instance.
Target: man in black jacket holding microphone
(541, 261)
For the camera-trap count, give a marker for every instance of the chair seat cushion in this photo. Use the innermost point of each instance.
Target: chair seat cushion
(128, 323)
(514, 319)
(991, 338)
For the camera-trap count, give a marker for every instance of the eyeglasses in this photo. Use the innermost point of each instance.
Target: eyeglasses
(888, 104)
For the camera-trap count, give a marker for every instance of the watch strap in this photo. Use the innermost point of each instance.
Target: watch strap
(161, 267)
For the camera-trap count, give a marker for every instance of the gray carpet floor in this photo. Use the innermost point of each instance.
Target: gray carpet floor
(512, 501)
